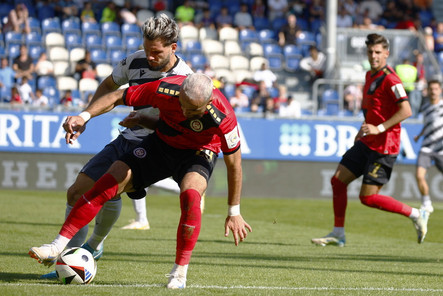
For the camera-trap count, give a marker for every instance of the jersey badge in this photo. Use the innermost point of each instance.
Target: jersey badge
(196, 125)
(168, 89)
(139, 152)
(213, 113)
(232, 138)
(399, 91)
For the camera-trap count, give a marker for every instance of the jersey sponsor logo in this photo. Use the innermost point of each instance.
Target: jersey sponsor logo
(139, 152)
(196, 125)
(123, 62)
(232, 138)
(399, 91)
(142, 72)
(169, 89)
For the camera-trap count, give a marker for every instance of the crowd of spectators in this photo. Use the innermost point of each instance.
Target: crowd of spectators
(286, 18)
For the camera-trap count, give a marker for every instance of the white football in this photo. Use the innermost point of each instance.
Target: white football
(75, 266)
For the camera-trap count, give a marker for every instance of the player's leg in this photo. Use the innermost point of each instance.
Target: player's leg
(424, 161)
(141, 221)
(86, 208)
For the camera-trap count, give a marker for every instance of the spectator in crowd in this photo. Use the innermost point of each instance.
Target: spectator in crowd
(15, 96)
(25, 90)
(109, 13)
(260, 97)
(277, 9)
(85, 68)
(185, 13)
(314, 64)
(431, 151)
(43, 66)
(224, 19)
(298, 8)
(128, 13)
(291, 108)
(351, 7)
(40, 99)
(258, 9)
(289, 32)
(316, 11)
(408, 76)
(373, 7)
(159, 5)
(438, 37)
(205, 20)
(18, 20)
(344, 19)
(367, 24)
(421, 70)
(7, 76)
(23, 65)
(66, 9)
(353, 96)
(281, 98)
(87, 14)
(266, 75)
(67, 100)
(429, 38)
(243, 19)
(240, 101)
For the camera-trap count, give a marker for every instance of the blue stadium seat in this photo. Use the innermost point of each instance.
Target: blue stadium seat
(52, 93)
(46, 82)
(13, 38)
(306, 37)
(5, 8)
(303, 24)
(2, 52)
(71, 25)
(73, 41)
(329, 97)
(198, 61)
(266, 36)
(35, 50)
(35, 25)
(112, 42)
(34, 38)
(45, 11)
(116, 56)
(193, 46)
(12, 51)
(292, 49)
(261, 23)
(99, 56)
(132, 44)
(129, 30)
(93, 42)
(271, 48)
(50, 25)
(278, 23)
(292, 62)
(110, 29)
(275, 61)
(247, 35)
(91, 29)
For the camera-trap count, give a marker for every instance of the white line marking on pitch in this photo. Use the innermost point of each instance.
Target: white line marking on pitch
(236, 287)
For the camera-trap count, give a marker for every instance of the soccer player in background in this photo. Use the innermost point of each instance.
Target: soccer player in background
(157, 60)
(431, 150)
(196, 122)
(385, 105)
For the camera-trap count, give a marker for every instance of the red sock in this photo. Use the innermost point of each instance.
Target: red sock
(339, 201)
(386, 203)
(189, 227)
(87, 207)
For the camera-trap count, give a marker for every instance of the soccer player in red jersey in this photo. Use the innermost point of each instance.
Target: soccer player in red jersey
(377, 144)
(196, 123)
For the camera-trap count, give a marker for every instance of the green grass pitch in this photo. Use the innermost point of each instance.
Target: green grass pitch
(381, 257)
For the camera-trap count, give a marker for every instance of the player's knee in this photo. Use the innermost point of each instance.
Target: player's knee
(367, 200)
(337, 184)
(73, 194)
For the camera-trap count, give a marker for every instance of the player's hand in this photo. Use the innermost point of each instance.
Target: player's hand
(133, 119)
(74, 126)
(238, 226)
(369, 129)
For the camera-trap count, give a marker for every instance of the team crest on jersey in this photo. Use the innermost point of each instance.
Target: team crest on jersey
(168, 89)
(139, 152)
(196, 125)
(232, 138)
(123, 62)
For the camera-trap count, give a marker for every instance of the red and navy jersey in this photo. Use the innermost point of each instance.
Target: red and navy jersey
(216, 130)
(381, 94)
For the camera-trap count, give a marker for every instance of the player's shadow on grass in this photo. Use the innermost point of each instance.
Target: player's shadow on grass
(10, 277)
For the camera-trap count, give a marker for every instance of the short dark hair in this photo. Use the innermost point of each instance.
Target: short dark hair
(373, 39)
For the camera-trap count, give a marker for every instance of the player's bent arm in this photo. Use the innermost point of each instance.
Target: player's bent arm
(105, 103)
(404, 111)
(106, 86)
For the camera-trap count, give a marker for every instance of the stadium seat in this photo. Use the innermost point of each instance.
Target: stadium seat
(254, 49)
(211, 47)
(89, 28)
(110, 29)
(241, 75)
(103, 71)
(291, 49)
(132, 44)
(93, 42)
(12, 51)
(193, 47)
(76, 54)
(35, 25)
(256, 62)
(113, 42)
(142, 4)
(275, 61)
(5, 8)
(261, 23)
(232, 47)
(143, 14)
(58, 53)
(62, 68)
(306, 37)
(34, 38)
(13, 38)
(225, 73)
(99, 56)
(292, 62)
(266, 36)
(228, 33)
(278, 23)
(207, 33)
(248, 35)
(115, 56)
(71, 25)
(52, 93)
(188, 32)
(198, 61)
(238, 62)
(46, 81)
(87, 85)
(73, 41)
(45, 11)
(218, 61)
(54, 39)
(2, 52)
(51, 25)
(130, 30)
(65, 83)
(35, 50)
(271, 48)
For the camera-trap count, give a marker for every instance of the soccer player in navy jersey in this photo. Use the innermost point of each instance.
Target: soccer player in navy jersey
(377, 144)
(196, 123)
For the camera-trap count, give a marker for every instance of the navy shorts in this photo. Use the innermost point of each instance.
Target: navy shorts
(98, 165)
(375, 168)
(154, 160)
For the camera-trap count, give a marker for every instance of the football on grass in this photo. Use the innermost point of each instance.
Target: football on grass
(75, 266)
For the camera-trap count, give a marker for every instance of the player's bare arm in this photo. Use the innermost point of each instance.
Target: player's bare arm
(404, 111)
(139, 119)
(235, 223)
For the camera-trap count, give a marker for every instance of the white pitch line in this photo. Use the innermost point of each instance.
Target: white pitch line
(236, 287)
